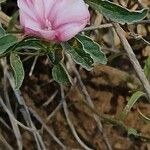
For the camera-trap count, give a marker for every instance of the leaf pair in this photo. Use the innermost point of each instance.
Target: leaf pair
(7, 41)
(86, 52)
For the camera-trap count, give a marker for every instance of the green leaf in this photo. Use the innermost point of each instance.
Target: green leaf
(147, 68)
(92, 48)
(133, 99)
(55, 56)
(132, 131)
(78, 55)
(2, 32)
(144, 117)
(116, 12)
(13, 21)
(6, 42)
(18, 69)
(29, 43)
(2, 1)
(60, 74)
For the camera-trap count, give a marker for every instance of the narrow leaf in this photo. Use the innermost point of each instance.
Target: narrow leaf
(29, 43)
(55, 56)
(6, 42)
(2, 1)
(116, 12)
(13, 21)
(147, 68)
(60, 74)
(133, 99)
(18, 69)
(78, 55)
(132, 131)
(143, 116)
(92, 48)
(2, 32)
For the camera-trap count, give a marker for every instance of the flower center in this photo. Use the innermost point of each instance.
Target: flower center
(47, 25)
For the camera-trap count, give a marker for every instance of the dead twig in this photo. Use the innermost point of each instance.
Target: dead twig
(70, 123)
(109, 25)
(14, 124)
(25, 112)
(102, 26)
(7, 145)
(51, 98)
(4, 19)
(47, 128)
(133, 59)
(5, 124)
(139, 37)
(12, 117)
(33, 66)
(90, 103)
(54, 111)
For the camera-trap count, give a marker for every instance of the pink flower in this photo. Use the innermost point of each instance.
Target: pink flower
(57, 20)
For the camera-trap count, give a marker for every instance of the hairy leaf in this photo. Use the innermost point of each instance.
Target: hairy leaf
(18, 69)
(78, 55)
(116, 12)
(92, 48)
(60, 74)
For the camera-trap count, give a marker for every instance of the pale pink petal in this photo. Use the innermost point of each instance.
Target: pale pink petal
(72, 11)
(47, 35)
(32, 9)
(49, 4)
(28, 21)
(58, 20)
(24, 6)
(32, 27)
(68, 31)
(39, 9)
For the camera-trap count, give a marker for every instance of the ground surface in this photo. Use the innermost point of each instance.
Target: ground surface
(109, 86)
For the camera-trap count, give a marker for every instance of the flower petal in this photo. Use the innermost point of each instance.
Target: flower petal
(48, 4)
(39, 9)
(72, 11)
(68, 31)
(32, 27)
(28, 21)
(24, 5)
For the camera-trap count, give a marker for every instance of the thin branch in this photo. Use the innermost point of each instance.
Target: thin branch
(51, 98)
(90, 102)
(109, 25)
(5, 19)
(33, 65)
(70, 123)
(54, 111)
(117, 123)
(7, 145)
(12, 117)
(14, 124)
(139, 37)
(133, 59)
(47, 128)
(102, 26)
(25, 112)
(5, 124)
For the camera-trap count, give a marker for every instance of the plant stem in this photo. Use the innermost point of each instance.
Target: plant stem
(139, 71)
